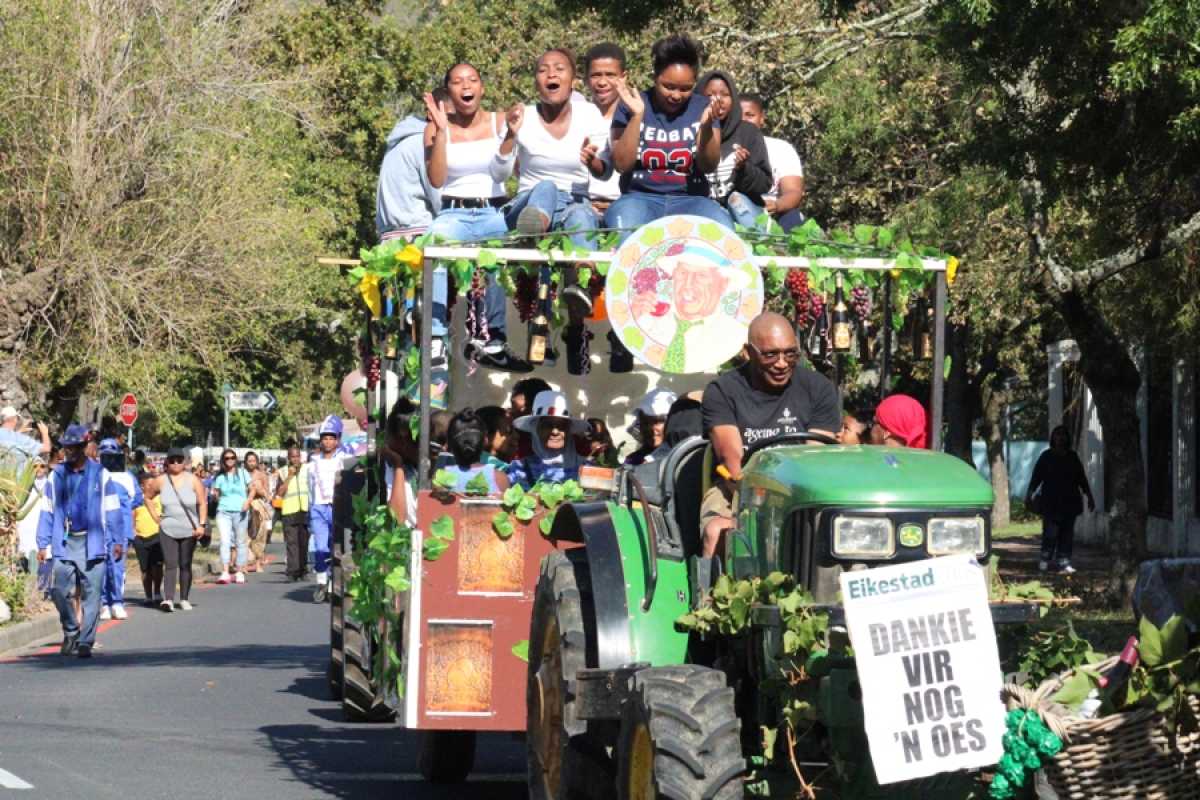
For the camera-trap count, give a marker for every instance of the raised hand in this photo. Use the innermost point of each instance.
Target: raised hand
(513, 118)
(740, 155)
(436, 114)
(630, 96)
(709, 114)
(587, 153)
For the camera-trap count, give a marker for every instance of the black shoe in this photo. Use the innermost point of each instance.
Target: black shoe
(619, 358)
(69, 645)
(321, 593)
(85, 651)
(532, 222)
(497, 355)
(578, 302)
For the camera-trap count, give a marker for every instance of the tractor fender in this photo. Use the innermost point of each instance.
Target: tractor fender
(591, 525)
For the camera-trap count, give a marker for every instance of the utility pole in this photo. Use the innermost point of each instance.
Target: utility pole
(226, 389)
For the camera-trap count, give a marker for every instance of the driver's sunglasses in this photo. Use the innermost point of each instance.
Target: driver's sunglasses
(790, 355)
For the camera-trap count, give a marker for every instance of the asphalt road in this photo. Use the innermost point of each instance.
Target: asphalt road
(227, 701)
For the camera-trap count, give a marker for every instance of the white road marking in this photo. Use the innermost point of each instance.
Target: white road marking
(10, 781)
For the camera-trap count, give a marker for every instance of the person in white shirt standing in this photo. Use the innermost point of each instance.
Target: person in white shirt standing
(558, 146)
(783, 201)
(322, 478)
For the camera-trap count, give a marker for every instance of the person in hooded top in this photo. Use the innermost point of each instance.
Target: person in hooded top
(745, 167)
(900, 421)
(551, 427)
(405, 200)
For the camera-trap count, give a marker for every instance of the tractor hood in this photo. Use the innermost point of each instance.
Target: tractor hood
(864, 476)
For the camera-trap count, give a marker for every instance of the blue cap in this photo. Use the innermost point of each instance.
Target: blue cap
(110, 447)
(75, 434)
(331, 424)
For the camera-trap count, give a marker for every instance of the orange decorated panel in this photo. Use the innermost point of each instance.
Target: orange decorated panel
(471, 607)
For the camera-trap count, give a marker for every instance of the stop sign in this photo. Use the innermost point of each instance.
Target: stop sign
(129, 410)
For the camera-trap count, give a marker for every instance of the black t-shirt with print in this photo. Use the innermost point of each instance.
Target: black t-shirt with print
(809, 401)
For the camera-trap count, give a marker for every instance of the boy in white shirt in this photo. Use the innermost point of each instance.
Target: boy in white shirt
(783, 201)
(603, 67)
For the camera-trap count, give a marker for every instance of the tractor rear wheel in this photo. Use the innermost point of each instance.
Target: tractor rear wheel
(362, 697)
(446, 756)
(680, 737)
(566, 762)
(337, 592)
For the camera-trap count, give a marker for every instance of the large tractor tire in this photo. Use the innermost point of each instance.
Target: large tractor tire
(680, 737)
(362, 697)
(566, 762)
(446, 756)
(337, 592)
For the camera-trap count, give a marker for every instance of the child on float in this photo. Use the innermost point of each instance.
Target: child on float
(467, 438)
(744, 172)
(552, 429)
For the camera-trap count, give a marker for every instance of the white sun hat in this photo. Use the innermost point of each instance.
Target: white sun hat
(656, 403)
(550, 404)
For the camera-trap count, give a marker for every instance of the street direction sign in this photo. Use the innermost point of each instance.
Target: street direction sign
(251, 401)
(129, 410)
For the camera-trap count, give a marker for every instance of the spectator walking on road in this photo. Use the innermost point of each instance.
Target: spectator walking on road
(112, 458)
(322, 476)
(146, 543)
(1056, 491)
(83, 519)
(293, 491)
(259, 523)
(184, 514)
(231, 488)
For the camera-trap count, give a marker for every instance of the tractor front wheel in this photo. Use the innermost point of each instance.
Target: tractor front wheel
(566, 762)
(334, 671)
(680, 737)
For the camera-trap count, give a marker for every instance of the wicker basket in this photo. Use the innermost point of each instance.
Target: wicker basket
(1125, 756)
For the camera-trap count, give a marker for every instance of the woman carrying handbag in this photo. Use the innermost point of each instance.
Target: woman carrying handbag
(184, 515)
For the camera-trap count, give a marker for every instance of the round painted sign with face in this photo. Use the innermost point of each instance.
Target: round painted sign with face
(681, 292)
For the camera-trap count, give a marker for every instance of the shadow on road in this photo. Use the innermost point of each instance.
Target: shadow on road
(372, 761)
(239, 655)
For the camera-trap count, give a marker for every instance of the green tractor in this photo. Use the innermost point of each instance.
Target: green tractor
(619, 692)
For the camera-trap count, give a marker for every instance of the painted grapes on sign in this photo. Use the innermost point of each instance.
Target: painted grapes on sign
(681, 292)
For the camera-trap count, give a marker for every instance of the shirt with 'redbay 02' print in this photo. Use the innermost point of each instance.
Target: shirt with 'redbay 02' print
(809, 402)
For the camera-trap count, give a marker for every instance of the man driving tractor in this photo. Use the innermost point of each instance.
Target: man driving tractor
(769, 396)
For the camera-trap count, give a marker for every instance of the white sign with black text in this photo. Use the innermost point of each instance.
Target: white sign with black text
(928, 664)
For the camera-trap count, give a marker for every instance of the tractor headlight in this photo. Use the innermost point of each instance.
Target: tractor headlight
(948, 535)
(864, 537)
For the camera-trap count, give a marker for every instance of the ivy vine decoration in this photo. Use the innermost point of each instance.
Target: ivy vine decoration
(523, 505)
(804, 649)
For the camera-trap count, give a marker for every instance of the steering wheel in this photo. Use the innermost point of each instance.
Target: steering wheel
(786, 439)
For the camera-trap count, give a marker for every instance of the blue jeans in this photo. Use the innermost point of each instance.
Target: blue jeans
(320, 525)
(114, 579)
(470, 225)
(564, 210)
(74, 568)
(633, 210)
(746, 212)
(229, 523)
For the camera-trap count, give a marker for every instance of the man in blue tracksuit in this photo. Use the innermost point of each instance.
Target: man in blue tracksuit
(112, 601)
(323, 470)
(85, 518)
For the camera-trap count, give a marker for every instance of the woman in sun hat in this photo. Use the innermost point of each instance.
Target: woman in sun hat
(650, 424)
(551, 427)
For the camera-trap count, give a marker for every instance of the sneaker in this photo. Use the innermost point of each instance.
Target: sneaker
(240, 577)
(84, 651)
(69, 645)
(1043, 565)
(158, 597)
(105, 613)
(321, 593)
(497, 355)
(578, 302)
(532, 222)
(166, 606)
(184, 605)
(224, 577)
(118, 611)
(1065, 568)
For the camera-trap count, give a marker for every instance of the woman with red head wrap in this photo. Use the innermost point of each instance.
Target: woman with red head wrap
(899, 422)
